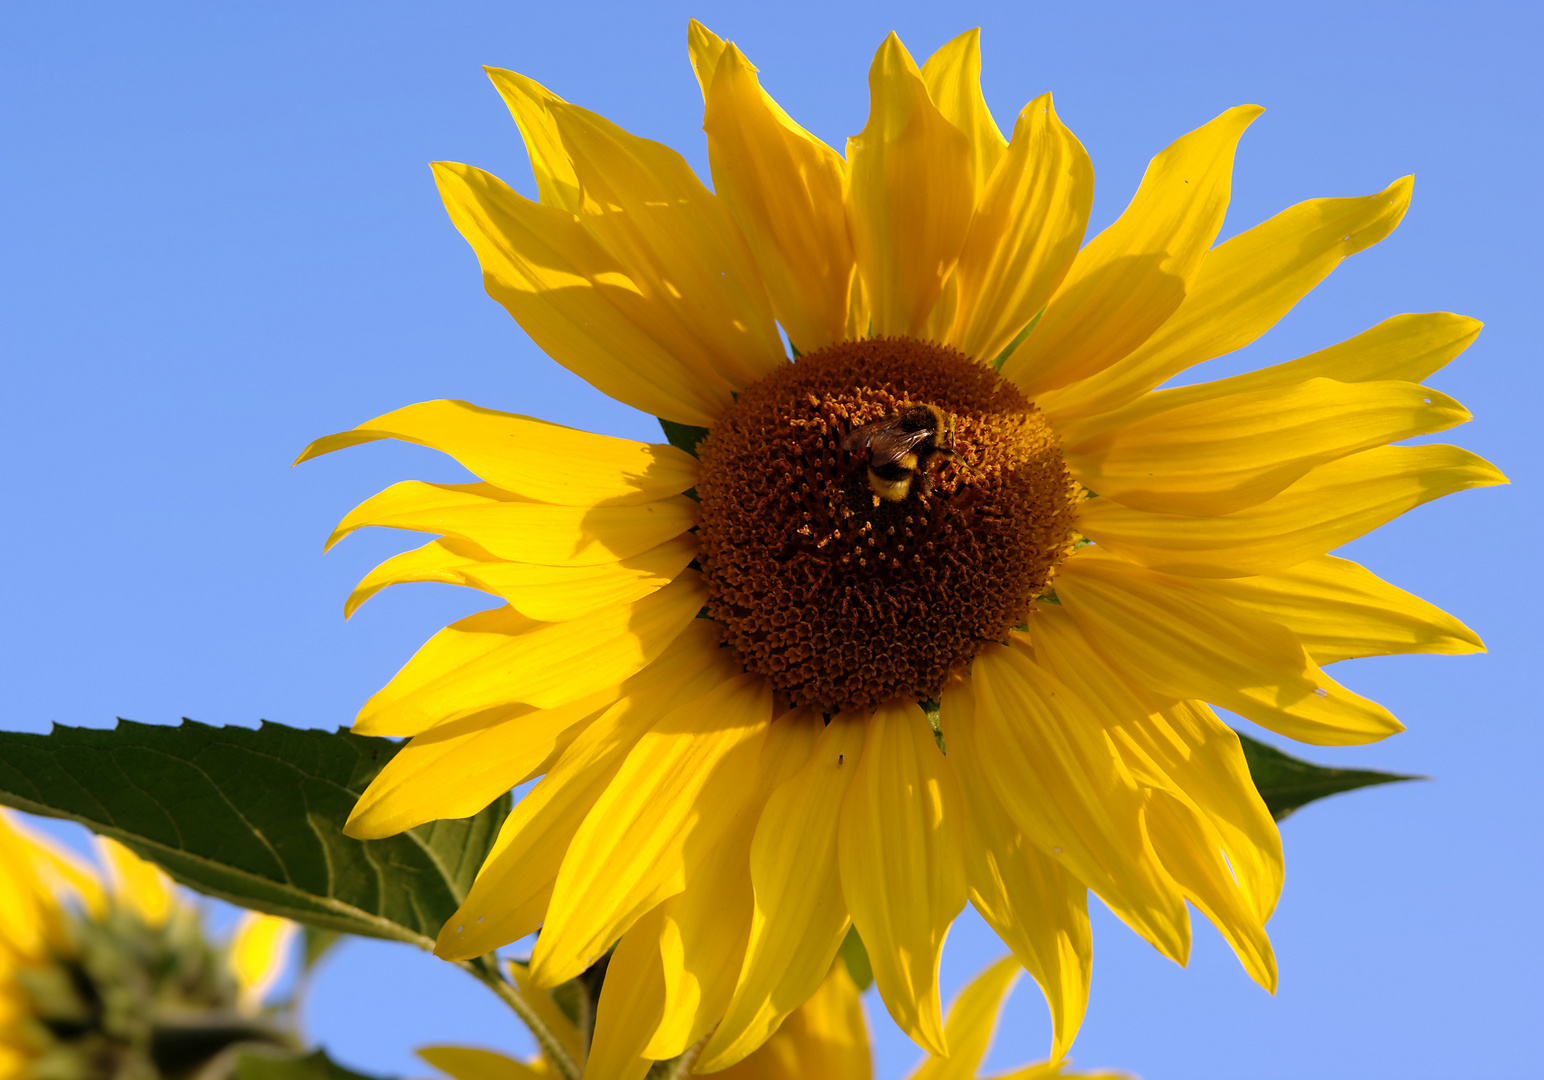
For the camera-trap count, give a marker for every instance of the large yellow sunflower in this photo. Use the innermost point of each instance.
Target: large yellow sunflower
(962, 489)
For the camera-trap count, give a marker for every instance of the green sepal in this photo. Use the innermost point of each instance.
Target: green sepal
(1018, 339)
(255, 817)
(933, 711)
(1287, 783)
(317, 942)
(682, 436)
(856, 957)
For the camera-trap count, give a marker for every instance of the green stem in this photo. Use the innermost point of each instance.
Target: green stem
(682, 1066)
(486, 968)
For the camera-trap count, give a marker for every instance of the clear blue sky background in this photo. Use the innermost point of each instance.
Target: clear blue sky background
(220, 240)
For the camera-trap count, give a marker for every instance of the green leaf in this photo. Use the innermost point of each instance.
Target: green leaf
(254, 817)
(856, 957)
(1286, 782)
(683, 436)
(313, 1066)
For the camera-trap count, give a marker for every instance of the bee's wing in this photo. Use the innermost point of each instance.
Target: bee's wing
(890, 447)
(861, 438)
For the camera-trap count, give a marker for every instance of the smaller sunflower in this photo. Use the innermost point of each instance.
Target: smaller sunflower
(105, 973)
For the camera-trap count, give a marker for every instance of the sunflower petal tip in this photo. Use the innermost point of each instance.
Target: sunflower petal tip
(357, 826)
(891, 49)
(316, 448)
(447, 946)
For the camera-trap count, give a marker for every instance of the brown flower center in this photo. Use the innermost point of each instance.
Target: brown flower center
(873, 515)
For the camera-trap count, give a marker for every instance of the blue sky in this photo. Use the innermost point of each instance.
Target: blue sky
(220, 240)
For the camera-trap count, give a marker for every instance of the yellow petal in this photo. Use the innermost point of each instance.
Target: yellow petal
(258, 952)
(910, 194)
(509, 527)
(899, 848)
(1224, 454)
(784, 188)
(30, 919)
(1028, 224)
(1406, 348)
(1131, 277)
(1332, 505)
(676, 242)
(631, 1005)
(972, 1020)
(1180, 640)
(941, 319)
(800, 917)
(1244, 287)
(575, 300)
(826, 1038)
(135, 884)
(500, 657)
(1179, 747)
(542, 461)
(509, 897)
(1044, 755)
(54, 870)
(1340, 610)
(530, 104)
(1168, 759)
(1192, 753)
(677, 793)
(470, 1063)
(704, 48)
(543, 593)
(38, 875)
(1192, 853)
(1058, 1070)
(708, 923)
(953, 79)
(456, 769)
(1037, 907)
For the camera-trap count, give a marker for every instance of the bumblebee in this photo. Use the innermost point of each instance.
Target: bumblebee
(904, 449)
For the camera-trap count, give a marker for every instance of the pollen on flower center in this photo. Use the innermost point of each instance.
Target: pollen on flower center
(848, 580)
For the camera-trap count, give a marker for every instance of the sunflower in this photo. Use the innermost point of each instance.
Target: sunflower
(936, 608)
(825, 1038)
(105, 973)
